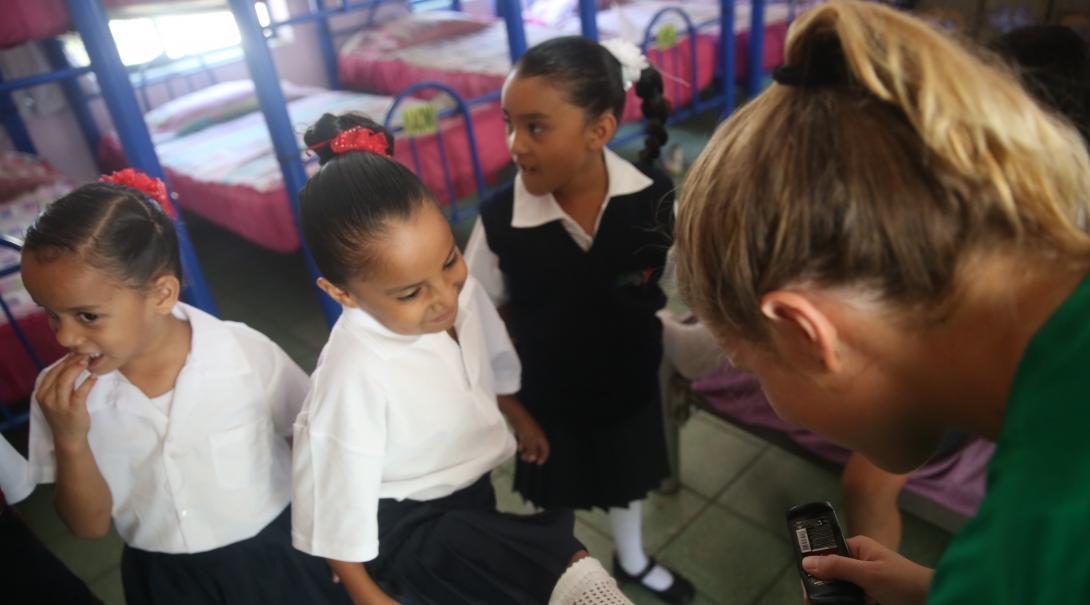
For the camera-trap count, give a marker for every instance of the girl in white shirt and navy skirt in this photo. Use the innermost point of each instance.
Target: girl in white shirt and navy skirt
(402, 426)
(162, 418)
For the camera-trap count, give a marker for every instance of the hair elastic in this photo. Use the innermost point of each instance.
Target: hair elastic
(356, 138)
(150, 186)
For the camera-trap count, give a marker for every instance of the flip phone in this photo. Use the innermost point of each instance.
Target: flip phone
(815, 532)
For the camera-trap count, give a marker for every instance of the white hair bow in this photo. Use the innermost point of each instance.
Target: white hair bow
(631, 58)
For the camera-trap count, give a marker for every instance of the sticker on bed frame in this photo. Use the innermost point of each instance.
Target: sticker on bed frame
(666, 36)
(421, 120)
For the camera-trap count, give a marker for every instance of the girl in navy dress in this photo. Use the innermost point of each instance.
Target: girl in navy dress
(574, 249)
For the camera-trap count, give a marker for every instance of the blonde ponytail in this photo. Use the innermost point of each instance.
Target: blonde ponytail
(906, 154)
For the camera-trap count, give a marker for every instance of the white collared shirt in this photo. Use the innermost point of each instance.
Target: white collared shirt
(531, 210)
(216, 468)
(15, 480)
(396, 416)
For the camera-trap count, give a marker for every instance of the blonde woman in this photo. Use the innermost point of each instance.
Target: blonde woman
(894, 239)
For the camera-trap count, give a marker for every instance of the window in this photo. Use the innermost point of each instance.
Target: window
(163, 38)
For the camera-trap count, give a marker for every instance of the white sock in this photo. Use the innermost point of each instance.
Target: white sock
(628, 540)
(586, 582)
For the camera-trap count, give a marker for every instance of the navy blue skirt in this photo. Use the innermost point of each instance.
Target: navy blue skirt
(460, 550)
(265, 569)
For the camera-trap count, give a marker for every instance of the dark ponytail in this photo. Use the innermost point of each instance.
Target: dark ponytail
(593, 79)
(349, 201)
(113, 228)
(656, 109)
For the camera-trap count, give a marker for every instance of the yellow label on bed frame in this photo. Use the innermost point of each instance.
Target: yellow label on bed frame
(421, 120)
(666, 36)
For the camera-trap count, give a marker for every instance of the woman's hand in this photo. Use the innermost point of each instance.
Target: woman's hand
(885, 576)
(65, 406)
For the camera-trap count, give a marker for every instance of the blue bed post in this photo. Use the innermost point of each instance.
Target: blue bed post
(727, 54)
(325, 45)
(14, 125)
(77, 101)
(516, 33)
(588, 18)
(271, 98)
(755, 54)
(93, 25)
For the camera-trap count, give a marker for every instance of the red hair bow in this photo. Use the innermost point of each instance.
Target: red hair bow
(357, 138)
(150, 186)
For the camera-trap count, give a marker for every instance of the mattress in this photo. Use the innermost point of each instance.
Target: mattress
(475, 62)
(228, 173)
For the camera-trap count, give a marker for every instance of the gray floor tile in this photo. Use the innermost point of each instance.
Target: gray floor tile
(727, 557)
(40, 515)
(506, 498)
(599, 545)
(663, 517)
(88, 559)
(108, 588)
(712, 456)
(785, 590)
(921, 541)
(777, 481)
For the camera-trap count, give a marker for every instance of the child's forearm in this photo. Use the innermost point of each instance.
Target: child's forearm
(361, 588)
(511, 408)
(82, 497)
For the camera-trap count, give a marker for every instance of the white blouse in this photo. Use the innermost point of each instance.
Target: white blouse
(214, 468)
(15, 482)
(396, 416)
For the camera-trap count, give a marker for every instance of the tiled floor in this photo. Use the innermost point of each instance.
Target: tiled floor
(724, 529)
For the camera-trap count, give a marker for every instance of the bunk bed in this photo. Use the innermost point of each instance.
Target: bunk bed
(25, 329)
(472, 53)
(216, 149)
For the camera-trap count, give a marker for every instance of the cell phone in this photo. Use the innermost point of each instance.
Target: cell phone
(815, 532)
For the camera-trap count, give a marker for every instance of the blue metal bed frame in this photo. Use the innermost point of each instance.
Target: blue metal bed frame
(91, 22)
(271, 100)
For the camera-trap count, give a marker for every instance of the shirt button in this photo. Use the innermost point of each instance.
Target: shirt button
(185, 513)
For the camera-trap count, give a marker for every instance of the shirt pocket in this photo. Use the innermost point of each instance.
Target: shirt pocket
(242, 455)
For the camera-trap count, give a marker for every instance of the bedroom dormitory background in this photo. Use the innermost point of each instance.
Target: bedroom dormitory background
(214, 96)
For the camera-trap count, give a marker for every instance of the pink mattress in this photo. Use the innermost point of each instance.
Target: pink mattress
(228, 173)
(956, 482)
(476, 62)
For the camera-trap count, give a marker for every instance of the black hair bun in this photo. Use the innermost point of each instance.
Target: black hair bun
(328, 126)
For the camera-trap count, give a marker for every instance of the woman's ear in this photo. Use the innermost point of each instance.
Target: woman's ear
(802, 327)
(600, 132)
(336, 293)
(164, 293)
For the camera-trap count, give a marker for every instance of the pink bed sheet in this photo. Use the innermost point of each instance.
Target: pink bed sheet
(227, 173)
(956, 482)
(476, 64)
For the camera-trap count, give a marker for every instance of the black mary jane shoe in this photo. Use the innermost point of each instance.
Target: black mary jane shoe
(679, 592)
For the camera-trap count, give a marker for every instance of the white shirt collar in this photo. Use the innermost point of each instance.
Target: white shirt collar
(535, 210)
(213, 351)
